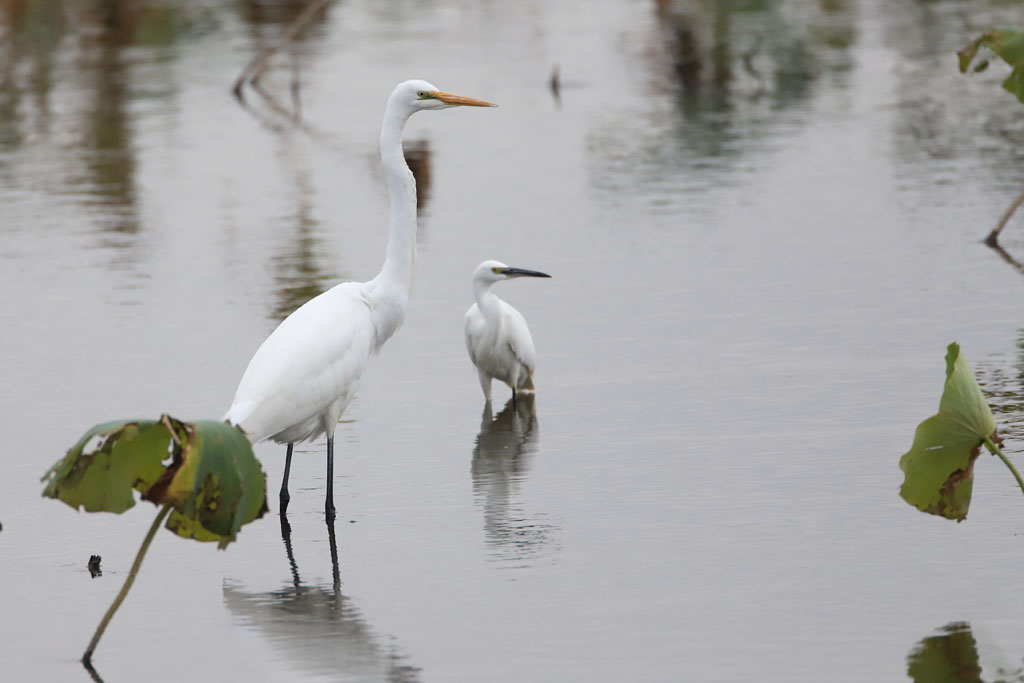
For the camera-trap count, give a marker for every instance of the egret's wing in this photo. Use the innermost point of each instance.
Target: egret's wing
(315, 357)
(517, 334)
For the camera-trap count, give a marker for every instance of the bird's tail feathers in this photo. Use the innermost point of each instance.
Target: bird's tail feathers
(237, 413)
(527, 383)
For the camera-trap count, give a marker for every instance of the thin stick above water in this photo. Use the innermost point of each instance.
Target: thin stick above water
(87, 657)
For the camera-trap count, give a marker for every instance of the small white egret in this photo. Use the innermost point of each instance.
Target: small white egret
(306, 372)
(497, 337)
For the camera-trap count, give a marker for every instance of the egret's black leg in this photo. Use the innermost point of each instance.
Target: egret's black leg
(329, 504)
(284, 481)
(513, 399)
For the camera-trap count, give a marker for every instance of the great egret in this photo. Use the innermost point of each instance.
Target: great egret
(497, 336)
(304, 374)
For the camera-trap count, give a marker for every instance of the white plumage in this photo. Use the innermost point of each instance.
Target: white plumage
(497, 336)
(303, 376)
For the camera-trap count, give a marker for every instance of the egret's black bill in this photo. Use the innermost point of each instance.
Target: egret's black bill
(513, 272)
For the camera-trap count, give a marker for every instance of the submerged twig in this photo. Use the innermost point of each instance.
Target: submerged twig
(87, 657)
(993, 237)
(255, 69)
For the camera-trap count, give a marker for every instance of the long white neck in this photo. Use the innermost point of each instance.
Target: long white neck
(486, 300)
(390, 289)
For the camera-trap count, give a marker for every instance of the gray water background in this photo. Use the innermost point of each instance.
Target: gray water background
(763, 222)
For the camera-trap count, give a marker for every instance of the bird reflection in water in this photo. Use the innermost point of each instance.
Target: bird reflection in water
(317, 627)
(502, 456)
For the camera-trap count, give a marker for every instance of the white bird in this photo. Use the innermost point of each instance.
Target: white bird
(303, 376)
(497, 336)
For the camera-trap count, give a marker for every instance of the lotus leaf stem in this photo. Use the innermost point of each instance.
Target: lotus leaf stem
(87, 657)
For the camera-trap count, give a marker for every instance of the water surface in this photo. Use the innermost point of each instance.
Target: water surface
(763, 225)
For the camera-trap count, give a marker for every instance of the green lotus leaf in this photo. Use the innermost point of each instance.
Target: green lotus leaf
(1007, 44)
(108, 464)
(939, 467)
(205, 471)
(215, 484)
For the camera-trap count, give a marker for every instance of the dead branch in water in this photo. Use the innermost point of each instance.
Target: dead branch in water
(993, 237)
(255, 69)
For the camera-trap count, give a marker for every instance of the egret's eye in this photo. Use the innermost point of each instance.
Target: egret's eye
(422, 95)
(496, 271)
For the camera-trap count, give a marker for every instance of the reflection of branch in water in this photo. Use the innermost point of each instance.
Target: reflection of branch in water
(1003, 254)
(268, 122)
(289, 117)
(501, 459)
(317, 627)
(275, 106)
(254, 71)
(93, 674)
(952, 656)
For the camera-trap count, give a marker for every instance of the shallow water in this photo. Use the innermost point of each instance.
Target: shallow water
(762, 222)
